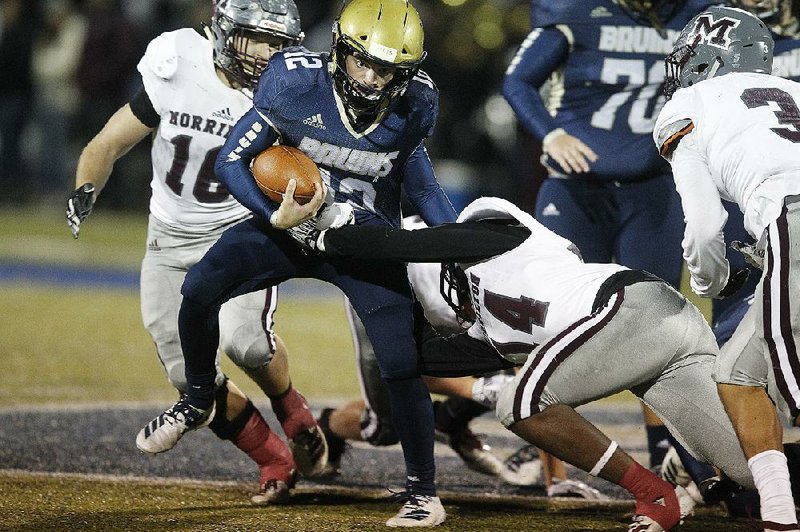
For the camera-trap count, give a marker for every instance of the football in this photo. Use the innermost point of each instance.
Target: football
(275, 166)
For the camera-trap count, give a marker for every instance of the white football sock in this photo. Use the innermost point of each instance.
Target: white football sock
(771, 476)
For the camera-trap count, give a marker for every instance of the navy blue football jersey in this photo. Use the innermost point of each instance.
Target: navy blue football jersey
(605, 72)
(296, 97)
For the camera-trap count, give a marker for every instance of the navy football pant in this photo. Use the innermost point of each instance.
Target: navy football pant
(639, 225)
(252, 255)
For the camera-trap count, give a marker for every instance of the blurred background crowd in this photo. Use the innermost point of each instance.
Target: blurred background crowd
(67, 65)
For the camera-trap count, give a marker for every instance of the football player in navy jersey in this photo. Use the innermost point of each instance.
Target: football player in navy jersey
(362, 114)
(608, 191)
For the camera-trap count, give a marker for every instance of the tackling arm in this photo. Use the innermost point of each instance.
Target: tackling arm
(453, 242)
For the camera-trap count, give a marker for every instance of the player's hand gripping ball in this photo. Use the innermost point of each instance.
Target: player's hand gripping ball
(275, 166)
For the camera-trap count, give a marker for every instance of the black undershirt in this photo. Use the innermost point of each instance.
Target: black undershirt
(453, 242)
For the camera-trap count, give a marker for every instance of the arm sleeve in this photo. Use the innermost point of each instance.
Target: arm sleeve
(544, 50)
(142, 108)
(250, 136)
(703, 242)
(458, 242)
(424, 192)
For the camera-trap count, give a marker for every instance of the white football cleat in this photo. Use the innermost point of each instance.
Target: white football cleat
(310, 450)
(476, 455)
(522, 468)
(576, 490)
(272, 492)
(672, 469)
(164, 431)
(419, 511)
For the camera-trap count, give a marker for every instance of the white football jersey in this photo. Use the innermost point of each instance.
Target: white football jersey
(197, 111)
(532, 292)
(747, 128)
(425, 279)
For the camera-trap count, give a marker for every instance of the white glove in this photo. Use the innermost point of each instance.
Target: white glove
(486, 390)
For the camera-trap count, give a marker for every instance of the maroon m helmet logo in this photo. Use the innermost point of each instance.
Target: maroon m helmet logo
(715, 32)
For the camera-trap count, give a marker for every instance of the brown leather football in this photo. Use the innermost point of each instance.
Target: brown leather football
(275, 166)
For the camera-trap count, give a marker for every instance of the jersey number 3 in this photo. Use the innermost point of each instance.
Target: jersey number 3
(788, 114)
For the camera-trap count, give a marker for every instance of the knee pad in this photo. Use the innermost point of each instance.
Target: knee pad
(176, 373)
(247, 346)
(377, 430)
(224, 429)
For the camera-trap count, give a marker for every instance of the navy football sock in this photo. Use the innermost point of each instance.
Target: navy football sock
(199, 330)
(412, 415)
(657, 443)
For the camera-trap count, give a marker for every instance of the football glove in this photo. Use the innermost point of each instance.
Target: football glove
(752, 254)
(736, 281)
(310, 234)
(79, 206)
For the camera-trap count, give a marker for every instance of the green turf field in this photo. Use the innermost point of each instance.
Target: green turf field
(63, 502)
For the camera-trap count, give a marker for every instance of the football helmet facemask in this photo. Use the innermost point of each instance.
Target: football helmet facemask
(237, 23)
(779, 15)
(385, 33)
(454, 287)
(718, 41)
(652, 12)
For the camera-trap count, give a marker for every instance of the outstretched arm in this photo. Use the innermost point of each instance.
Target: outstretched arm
(453, 242)
(126, 128)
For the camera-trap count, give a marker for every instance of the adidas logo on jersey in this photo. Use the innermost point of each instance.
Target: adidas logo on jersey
(551, 210)
(225, 114)
(600, 11)
(315, 121)
(153, 245)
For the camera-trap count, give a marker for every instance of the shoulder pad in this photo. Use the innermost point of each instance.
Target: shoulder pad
(422, 96)
(670, 136)
(161, 57)
(675, 121)
(291, 67)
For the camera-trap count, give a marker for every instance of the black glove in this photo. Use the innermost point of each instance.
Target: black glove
(736, 280)
(79, 206)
